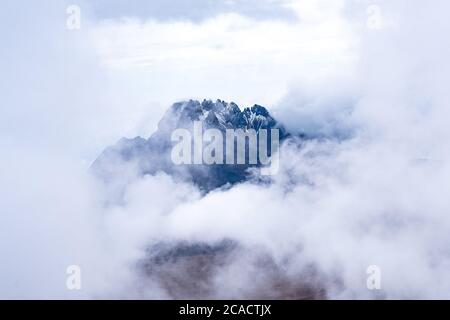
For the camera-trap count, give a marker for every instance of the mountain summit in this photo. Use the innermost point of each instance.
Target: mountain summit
(141, 156)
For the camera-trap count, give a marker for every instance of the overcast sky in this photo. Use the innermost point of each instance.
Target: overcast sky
(191, 10)
(130, 61)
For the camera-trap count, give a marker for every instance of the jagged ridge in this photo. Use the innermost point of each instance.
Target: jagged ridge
(151, 155)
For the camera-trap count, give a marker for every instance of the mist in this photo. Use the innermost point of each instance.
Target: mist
(367, 188)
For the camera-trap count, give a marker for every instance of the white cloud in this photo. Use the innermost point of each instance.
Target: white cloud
(227, 56)
(379, 198)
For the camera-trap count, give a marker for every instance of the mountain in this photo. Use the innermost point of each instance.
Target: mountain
(186, 269)
(141, 156)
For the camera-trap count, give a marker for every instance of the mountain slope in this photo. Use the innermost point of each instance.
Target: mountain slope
(149, 156)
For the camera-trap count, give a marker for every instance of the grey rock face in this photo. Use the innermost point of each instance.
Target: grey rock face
(152, 155)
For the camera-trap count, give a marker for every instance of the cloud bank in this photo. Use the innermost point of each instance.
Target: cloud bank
(369, 191)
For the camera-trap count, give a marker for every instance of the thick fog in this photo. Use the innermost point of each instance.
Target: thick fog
(369, 84)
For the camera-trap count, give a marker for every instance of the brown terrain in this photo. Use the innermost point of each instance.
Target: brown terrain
(226, 271)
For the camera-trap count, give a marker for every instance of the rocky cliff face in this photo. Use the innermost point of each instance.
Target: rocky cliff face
(149, 156)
